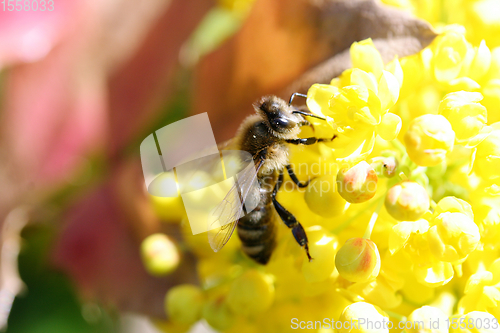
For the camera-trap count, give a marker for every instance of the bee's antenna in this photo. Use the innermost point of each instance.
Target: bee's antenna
(308, 114)
(303, 113)
(293, 96)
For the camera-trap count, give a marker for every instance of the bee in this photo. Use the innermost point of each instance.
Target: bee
(265, 135)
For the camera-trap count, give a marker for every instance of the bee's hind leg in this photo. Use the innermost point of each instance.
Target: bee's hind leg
(290, 221)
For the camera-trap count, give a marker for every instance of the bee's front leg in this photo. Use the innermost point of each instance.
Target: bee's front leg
(309, 141)
(295, 179)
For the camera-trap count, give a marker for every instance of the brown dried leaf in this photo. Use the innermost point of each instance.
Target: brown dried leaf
(333, 67)
(282, 40)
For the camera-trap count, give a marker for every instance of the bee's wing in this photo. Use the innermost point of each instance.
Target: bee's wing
(203, 167)
(228, 212)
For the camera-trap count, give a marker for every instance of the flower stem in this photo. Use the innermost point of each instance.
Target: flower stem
(399, 146)
(395, 315)
(373, 219)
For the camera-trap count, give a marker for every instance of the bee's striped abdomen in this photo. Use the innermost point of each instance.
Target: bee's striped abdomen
(257, 234)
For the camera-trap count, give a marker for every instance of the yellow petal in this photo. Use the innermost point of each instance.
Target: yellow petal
(365, 56)
(389, 127)
(481, 63)
(478, 280)
(413, 74)
(402, 231)
(394, 67)
(318, 98)
(388, 87)
(453, 205)
(364, 79)
(439, 274)
(465, 114)
(399, 236)
(462, 83)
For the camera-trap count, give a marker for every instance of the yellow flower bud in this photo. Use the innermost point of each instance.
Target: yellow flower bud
(322, 197)
(488, 156)
(357, 184)
(183, 304)
(433, 320)
(169, 207)
(251, 293)
(159, 254)
(217, 314)
(389, 167)
(474, 322)
(165, 184)
(463, 111)
(454, 236)
(453, 205)
(358, 260)
(389, 127)
(428, 139)
(357, 315)
(407, 201)
(449, 56)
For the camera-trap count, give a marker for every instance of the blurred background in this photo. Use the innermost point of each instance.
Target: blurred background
(81, 86)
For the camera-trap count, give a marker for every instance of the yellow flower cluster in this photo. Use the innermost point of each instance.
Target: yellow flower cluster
(481, 18)
(422, 244)
(436, 244)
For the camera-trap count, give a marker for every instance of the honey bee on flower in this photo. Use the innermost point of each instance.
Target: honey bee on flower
(402, 217)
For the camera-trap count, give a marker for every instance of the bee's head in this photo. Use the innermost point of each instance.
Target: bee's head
(278, 115)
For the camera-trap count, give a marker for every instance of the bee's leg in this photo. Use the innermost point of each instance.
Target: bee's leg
(290, 221)
(294, 177)
(306, 123)
(308, 141)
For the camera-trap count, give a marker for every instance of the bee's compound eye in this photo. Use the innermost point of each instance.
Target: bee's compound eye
(282, 123)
